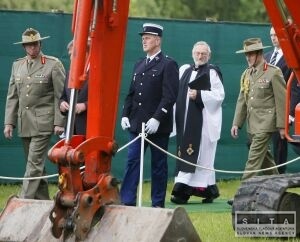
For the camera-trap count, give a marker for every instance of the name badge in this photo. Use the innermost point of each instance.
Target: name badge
(263, 80)
(39, 76)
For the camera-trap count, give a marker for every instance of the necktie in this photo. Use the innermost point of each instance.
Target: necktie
(273, 60)
(147, 61)
(252, 71)
(29, 65)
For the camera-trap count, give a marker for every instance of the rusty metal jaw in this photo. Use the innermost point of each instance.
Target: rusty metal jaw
(76, 215)
(91, 204)
(58, 216)
(82, 194)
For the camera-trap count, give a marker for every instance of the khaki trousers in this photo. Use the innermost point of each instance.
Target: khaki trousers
(259, 156)
(36, 149)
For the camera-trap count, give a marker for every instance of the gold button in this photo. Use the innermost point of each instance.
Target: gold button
(27, 86)
(28, 77)
(27, 95)
(27, 107)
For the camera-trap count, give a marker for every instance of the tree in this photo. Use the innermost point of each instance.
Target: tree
(38, 5)
(159, 9)
(220, 10)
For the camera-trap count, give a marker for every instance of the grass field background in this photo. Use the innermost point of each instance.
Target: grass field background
(212, 221)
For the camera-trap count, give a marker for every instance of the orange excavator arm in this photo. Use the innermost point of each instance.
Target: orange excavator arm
(102, 25)
(285, 18)
(84, 207)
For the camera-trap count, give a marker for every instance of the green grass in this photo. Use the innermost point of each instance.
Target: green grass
(211, 226)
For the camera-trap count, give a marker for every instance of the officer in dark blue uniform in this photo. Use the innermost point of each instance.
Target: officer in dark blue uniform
(151, 97)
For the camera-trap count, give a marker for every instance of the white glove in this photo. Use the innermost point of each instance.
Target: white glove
(125, 123)
(152, 126)
(291, 119)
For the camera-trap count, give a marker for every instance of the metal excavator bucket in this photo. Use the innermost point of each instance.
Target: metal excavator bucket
(28, 220)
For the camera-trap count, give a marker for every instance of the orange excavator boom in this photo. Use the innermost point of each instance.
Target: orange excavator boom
(99, 30)
(285, 18)
(86, 205)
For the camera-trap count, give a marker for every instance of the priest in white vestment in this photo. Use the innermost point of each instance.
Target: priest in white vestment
(198, 126)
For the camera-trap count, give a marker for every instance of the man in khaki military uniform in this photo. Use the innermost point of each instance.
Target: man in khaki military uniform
(261, 104)
(35, 86)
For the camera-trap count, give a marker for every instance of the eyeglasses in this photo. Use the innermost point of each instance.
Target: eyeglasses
(200, 53)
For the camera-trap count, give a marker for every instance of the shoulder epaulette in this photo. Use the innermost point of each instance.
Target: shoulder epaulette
(168, 57)
(51, 57)
(22, 58)
(270, 65)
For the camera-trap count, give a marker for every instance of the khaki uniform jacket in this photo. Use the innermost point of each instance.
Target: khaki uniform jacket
(33, 96)
(261, 102)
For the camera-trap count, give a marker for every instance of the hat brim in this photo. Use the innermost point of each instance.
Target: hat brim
(250, 50)
(27, 42)
(152, 33)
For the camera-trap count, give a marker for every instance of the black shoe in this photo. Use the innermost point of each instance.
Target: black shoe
(208, 200)
(178, 200)
(230, 202)
(129, 204)
(210, 191)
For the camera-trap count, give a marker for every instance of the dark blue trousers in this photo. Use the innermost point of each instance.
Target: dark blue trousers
(159, 170)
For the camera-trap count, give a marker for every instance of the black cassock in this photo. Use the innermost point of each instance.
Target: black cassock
(189, 137)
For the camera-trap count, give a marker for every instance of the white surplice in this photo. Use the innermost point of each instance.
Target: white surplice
(211, 131)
